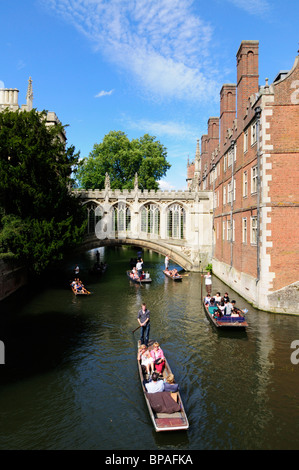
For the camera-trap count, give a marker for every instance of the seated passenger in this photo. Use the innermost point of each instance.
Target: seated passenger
(226, 297)
(222, 307)
(134, 274)
(213, 309)
(237, 311)
(155, 385)
(228, 308)
(217, 298)
(158, 356)
(171, 386)
(207, 299)
(80, 287)
(146, 360)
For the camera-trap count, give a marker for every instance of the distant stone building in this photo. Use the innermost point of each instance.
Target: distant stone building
(193, 170)
(250, 160)
(9, 100)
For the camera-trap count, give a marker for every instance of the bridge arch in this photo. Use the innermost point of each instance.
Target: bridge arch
(163, 249)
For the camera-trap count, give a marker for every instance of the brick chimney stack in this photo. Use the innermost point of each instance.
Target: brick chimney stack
(227, 111)
(247, 77)
(213, 135)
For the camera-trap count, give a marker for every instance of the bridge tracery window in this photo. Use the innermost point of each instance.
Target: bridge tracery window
(94, 214)
(176, 221)
(121, 217)
(150, 219)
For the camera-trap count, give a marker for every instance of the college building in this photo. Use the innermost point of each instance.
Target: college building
(249, 159)
(9, 100)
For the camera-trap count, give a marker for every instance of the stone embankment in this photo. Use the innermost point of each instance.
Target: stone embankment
(12, 277)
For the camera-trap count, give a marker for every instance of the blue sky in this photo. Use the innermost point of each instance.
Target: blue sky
(140, 66)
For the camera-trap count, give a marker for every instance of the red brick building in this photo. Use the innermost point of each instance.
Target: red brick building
(250, 160)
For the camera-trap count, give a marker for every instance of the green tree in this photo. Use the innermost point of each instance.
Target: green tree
(40, 218)
(122, 159)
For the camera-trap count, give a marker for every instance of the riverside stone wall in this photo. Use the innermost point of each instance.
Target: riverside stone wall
(12, 277)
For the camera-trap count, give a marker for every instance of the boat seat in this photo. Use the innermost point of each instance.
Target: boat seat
(231, 319)
(168, 415)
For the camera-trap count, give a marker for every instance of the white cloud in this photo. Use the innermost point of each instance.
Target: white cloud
(162, 128)
(254, 7)
(165, 185)
(162, 44)
(104, 93)
(21, 64)
(2, 84)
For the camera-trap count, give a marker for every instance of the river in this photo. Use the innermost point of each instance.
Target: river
(70, 378)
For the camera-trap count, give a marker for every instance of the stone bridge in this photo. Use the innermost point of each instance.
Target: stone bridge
(177, 223)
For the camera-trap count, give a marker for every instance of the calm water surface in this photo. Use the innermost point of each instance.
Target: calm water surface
(70, 380)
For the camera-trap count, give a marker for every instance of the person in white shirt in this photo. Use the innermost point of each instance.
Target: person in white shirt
(155, 385)
(217, 298)
(166, 262)
(208, 282)
(139, 265)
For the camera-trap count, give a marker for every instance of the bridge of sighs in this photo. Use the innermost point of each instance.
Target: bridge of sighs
(177, 223)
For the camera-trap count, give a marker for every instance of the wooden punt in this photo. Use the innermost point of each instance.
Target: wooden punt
(177, 421)
(226, 322)
(139, 281)
(177, 277)
(79, 292)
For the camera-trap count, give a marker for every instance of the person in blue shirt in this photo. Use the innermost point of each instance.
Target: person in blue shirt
(213, 308)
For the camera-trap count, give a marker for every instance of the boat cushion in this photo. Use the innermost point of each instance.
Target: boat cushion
(231, 319)
(161, 402)
(171, 387)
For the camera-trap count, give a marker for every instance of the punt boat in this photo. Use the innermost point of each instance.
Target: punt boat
(139, 281)
(175, 277)
(78, 292)
(226, 322)
(176, 421)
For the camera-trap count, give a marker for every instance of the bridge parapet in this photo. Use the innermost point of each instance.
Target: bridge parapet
(143, 194)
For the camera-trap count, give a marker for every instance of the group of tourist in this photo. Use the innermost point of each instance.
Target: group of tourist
(78, 287)
(137, 272)
(220, 306)
(172, 272)
(153, 360)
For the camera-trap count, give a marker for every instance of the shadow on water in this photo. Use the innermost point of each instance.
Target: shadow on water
(37, 343)
(170, 440)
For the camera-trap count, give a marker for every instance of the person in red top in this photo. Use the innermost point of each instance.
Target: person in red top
(158, 356)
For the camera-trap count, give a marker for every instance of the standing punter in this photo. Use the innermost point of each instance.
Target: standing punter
(144, 321)
(166, 262)
(208, 282)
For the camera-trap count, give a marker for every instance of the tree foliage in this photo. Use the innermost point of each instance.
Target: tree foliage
(40, 218)
(122, 159)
